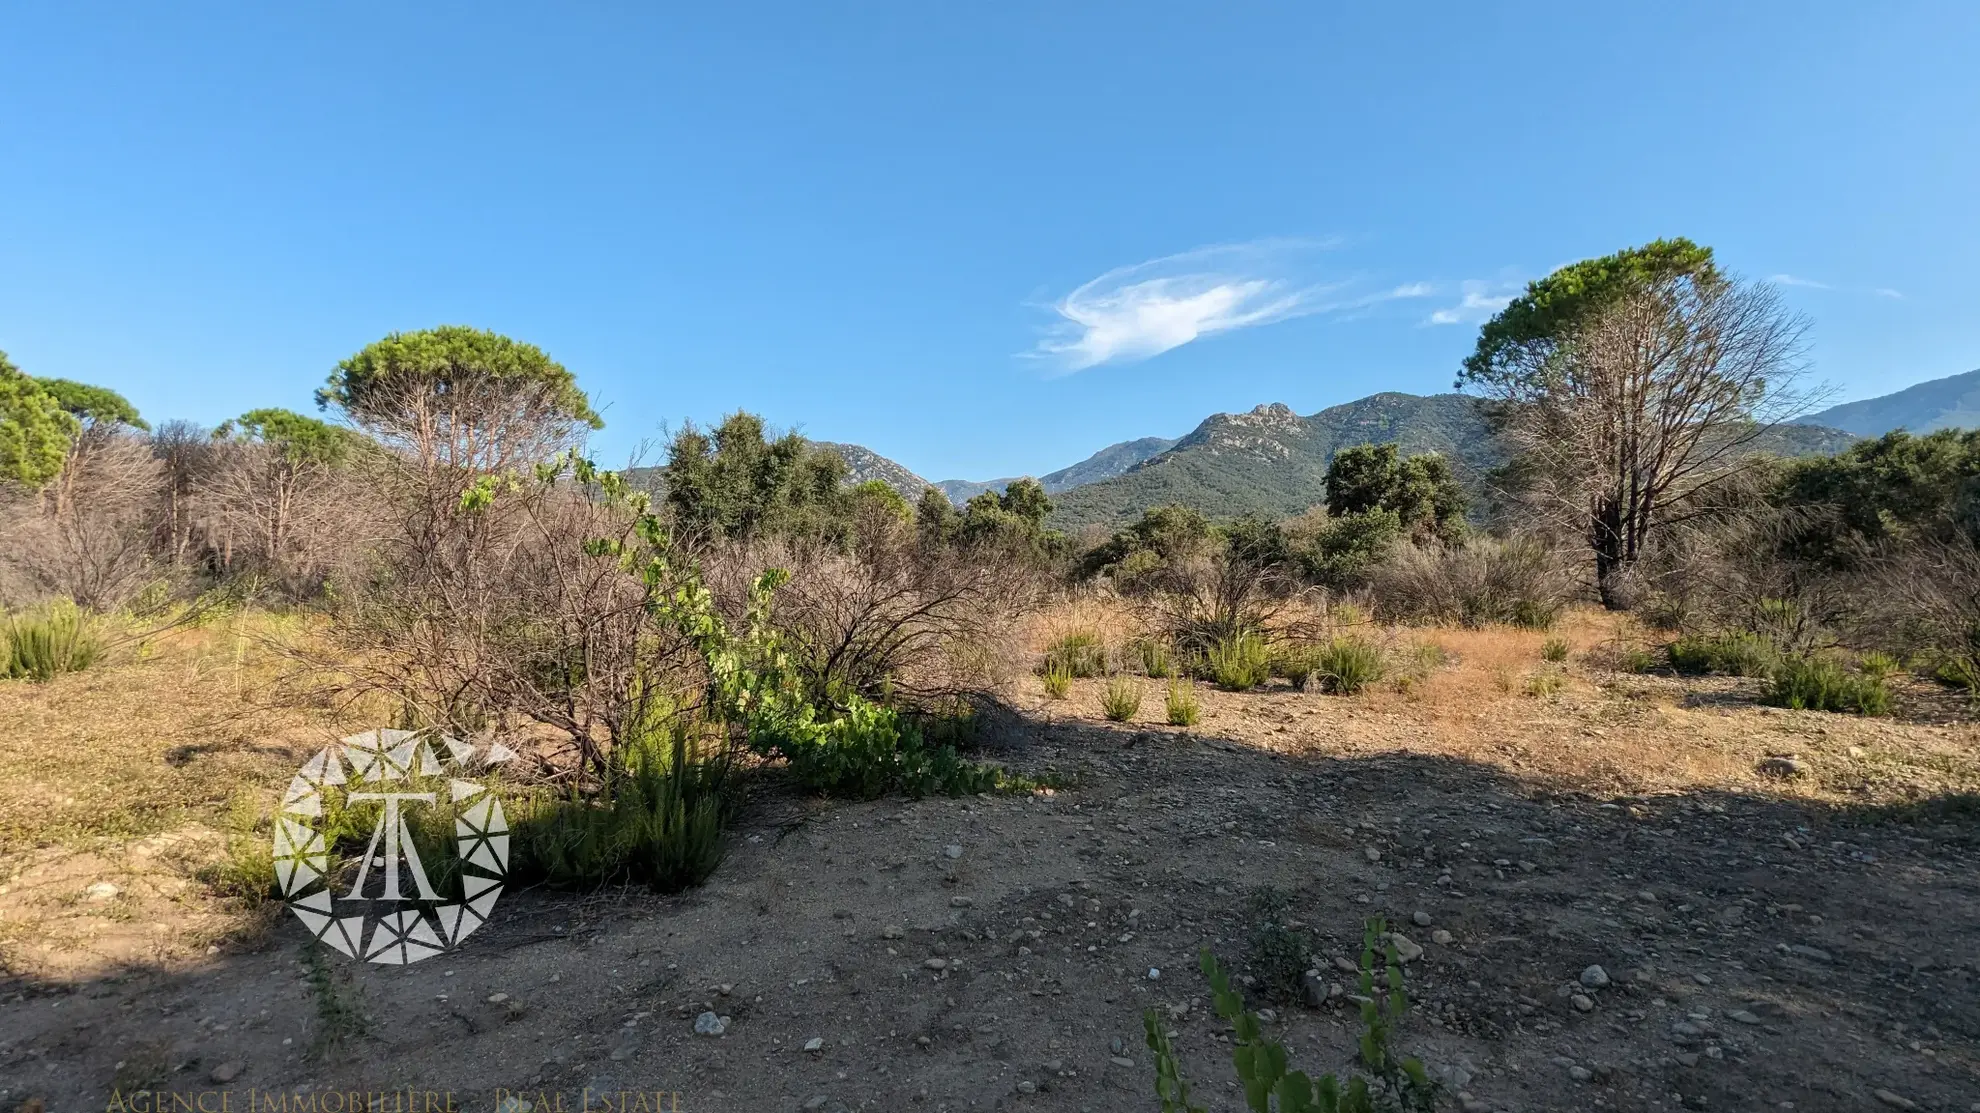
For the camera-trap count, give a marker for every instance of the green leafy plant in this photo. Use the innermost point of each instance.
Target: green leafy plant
(1058, 679)
(1347, 665)
(1554, 650)
(1122, 699)
(1080, 653)
(1821, 684)
(52, 639)
(1390, 1081)
(1240, 662)
(1733, 654)
(1182, 705)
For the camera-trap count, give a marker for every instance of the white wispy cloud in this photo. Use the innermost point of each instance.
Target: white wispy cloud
(1791, 280)
(1887, 292)
(1143, 310)
(1478, 302)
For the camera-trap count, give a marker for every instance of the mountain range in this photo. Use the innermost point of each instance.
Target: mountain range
(1949, 403)
(1272, 461)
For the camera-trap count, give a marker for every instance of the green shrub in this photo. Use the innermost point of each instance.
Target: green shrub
(1080, 653)
(247, 873)
(1398, 1084)
(1555, 650)
(1182, 706)
(1058, 679)
(1635, 658)
(1957, 672)
(48, 641)
(1296, 663)
(1821, 684)
(1240, 662)
(1734, 654)
(1122, 699)
(1347, 665)
(1155, 659)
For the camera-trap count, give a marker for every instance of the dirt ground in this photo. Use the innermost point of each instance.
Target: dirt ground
(1806, 938)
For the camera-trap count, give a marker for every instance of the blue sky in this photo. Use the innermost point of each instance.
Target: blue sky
(984, 239)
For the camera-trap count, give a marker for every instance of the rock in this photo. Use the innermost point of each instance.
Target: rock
(1441, 937)
(952, 852)
(815, 1044)
(708, 1024)
(1374, 855)
(1027, 1087)
(1582, 1003)
(1421, 918)
(513, 1104)
(1743, 1017)
(1344, 966)
(936, 963)
(1895, 1101)
(1120, 1060)
(1580, 1073)
(497, 998)
(1814, 954)
(1783, 767)
(1687, 1058)
(1117, 1046)
(1595, 977)
(893, 931)
(227, 1071)
(1702, 979)
(100, 892)
(1406, 951)
(1154, 973)
(1268, 1016)
(816, 1101)
(960, 902)
(1313, 989)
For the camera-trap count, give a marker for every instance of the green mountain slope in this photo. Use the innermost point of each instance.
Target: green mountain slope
(1272, 461)
(1951, 402)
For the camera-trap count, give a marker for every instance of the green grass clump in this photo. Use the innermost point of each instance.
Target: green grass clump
(1544, 683)
(45, 642)
(1879, 665)
(1058, 679)
(1122, 699)
(1554, 650)
(1735, 654)
(1347, 665)
(1821, 684)
(1296, 663)
(659, 821)
(1155, 658)
(1080, 653)
(1182, 705)
(1240, 662)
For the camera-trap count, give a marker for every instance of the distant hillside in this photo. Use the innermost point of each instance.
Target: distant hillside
(1952, 402)
(867, 464)
(1272, 461)
(1104, 464)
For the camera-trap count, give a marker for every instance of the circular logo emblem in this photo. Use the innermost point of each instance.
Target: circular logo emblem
(435, 844)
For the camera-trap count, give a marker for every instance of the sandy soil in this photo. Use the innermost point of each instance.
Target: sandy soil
(1806, 941)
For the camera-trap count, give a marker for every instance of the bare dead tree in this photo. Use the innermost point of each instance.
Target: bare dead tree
(294, 519)
(1655, 397)
(88, 535)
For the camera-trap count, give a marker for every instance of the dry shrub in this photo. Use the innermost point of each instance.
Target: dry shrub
(1483, 581)
(889, 614)
(1734, 570)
